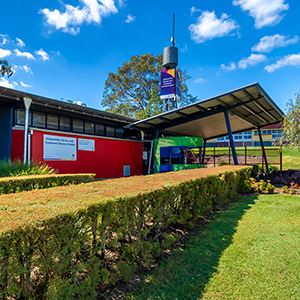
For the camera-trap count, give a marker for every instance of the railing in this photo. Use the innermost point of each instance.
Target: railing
(246, 156)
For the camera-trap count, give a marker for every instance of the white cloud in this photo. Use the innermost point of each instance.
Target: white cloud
(208, 26)
(184, 49)
(5, 83)
(288, 60)
(70, 20)
(4, 39)
(194, 9)
(24, 54)
(252, 60)
(130, 19)
(43, 54)
(268, 43)
(265, 12)
(230, 67)
(4, 53)
(199, 80)
(26, 69)
(20, 42)
(25, 85)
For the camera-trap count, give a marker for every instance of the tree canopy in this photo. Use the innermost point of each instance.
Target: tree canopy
(291, 123)
(134, 90)
(5, 69)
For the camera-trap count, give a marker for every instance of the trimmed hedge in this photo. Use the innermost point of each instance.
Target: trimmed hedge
(26, 183)
(74, 255)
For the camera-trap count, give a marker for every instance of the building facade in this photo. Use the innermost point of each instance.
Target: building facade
(68, 137)
(271, 136)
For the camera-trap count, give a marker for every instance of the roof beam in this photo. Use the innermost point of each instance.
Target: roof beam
(182, 114)
(199, 115)
(261, 107)
(165, 120)
(265, 111)
(200, 108)
(249, 109)
(238, 114)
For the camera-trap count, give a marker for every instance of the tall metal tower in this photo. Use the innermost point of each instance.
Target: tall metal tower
(170, 80)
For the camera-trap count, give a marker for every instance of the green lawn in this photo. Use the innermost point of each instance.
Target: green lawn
(291, 158)
(251, 250)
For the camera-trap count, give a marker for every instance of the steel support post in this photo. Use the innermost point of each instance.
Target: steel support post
(231, 138)
(263, 151)
(203, 152)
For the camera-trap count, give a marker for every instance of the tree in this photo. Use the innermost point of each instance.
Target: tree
(5, 68)
(134, 90)
(291, 123)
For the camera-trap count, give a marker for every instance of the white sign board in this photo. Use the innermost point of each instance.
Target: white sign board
(145, 155)
(59, 148)
(86, 145)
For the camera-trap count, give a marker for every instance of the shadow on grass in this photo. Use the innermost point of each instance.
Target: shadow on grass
(186, 273)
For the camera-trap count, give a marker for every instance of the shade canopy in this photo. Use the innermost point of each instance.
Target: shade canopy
(248, 108)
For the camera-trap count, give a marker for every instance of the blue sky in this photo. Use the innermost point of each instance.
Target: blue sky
(64, 49)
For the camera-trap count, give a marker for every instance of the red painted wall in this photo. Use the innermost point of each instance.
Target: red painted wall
(17, 144)
(107, 161)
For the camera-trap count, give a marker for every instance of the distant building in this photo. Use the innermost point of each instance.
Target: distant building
(271, 135)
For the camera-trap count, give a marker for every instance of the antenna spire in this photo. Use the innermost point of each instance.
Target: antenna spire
(173, 38)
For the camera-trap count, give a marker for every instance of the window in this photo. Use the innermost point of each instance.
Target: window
(64, 123)
(238, 136)
(120, 132)
(77, 125)
(52, 121)
(110, 131)
(20, 116)
(100, 129)
(276, 135)
(89, 127)
(39, 119)
(248, 135)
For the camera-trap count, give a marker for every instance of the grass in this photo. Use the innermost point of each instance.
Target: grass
(248, 251)
(291, 158)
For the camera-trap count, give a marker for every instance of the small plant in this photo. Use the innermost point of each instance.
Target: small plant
(223, 163)
(257, 186)
(292, 190)
(270, 188)
(15, 168)
(285, 190)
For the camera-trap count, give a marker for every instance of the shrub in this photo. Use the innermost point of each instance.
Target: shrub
(257, 186)
(26, 183)
(74, 252)
(293, 189)
(223, 163)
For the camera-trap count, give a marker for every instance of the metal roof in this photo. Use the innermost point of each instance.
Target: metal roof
(248, 107)
(12, 98)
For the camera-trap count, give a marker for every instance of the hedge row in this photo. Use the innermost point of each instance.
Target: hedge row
(73, 255)
(26, 183)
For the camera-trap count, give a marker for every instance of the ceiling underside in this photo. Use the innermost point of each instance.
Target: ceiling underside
(248, 108)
